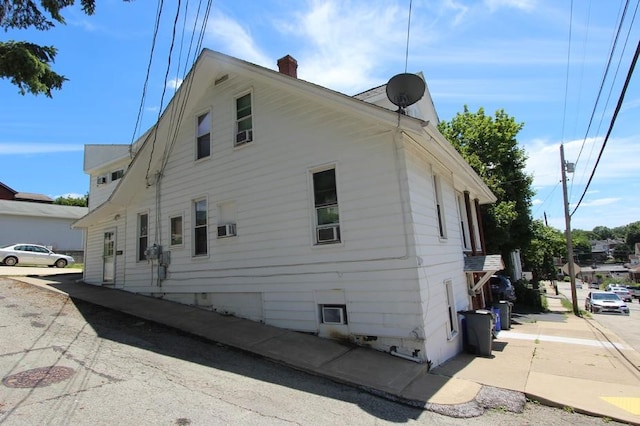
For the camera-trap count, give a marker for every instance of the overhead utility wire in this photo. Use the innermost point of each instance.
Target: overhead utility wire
(146, 79)
(613, 120)
(164, 88)
(187, 90)
(604, 78)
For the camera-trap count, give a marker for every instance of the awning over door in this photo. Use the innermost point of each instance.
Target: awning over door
(485, 265)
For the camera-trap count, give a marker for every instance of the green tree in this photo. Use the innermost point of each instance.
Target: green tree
(632, 234)
(490, 146)
(602, 233)
(581, 241)
(73, 201)
(28, 65)
(546, 244)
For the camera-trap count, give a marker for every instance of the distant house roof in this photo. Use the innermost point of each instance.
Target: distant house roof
(25, 208)
(7, 193)
(36, 198)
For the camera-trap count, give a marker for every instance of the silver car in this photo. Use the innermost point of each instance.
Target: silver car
(32, 254)
(605, 301)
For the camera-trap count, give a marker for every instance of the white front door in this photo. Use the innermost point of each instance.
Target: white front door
(108, 257)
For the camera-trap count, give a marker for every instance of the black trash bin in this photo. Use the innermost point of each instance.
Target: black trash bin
(478, 327)
(505, 313)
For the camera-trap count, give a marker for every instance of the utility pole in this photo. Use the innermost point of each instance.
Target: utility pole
(568, 167)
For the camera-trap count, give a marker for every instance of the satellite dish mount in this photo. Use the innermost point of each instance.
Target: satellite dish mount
(404, 90)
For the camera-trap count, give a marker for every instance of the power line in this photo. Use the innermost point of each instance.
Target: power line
(146, 79)
(613, 120)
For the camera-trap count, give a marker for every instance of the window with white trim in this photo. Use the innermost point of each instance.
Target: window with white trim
(465, 233)
(203, 136)
(244, 120)
(227, 220)
(200, 240)
(143, 235)
(439, 206)
(175, 225)
(333, 314)
(452, 318)
(327, 216)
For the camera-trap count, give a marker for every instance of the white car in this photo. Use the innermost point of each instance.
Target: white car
(32, 254)
(605, 301)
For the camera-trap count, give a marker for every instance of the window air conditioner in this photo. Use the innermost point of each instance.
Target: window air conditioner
(328, 234)
(332, 315)
(228, 230)
(244, 137)
(102, 180)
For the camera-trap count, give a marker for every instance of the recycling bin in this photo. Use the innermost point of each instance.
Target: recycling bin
(504, 312)
(477, 331)
(497, 325)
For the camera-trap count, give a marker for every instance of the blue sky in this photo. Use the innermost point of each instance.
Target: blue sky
(516, 55)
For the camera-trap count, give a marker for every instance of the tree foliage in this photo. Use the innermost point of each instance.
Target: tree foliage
(546, 244)
(73, 201)
(490, 146)
(28, 65)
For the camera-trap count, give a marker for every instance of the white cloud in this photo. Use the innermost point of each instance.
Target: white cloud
(600, 202)
(348, 42)
(174, 83)
(8, 148)
(526, 5)
(224, 31)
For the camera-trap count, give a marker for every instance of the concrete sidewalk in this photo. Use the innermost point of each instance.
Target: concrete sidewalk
(555, 358)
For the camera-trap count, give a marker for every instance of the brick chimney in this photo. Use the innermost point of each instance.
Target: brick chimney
(288, 66)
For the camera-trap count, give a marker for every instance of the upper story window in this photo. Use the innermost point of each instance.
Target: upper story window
(200, 244)
(117, 175)
(439, 206)
(464, 223)
(327, 216)
(244, 120)
(203, 136)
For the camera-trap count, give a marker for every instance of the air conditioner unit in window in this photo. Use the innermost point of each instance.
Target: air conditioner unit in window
(102, 180)
(244, 137)
(328, 234)
(227, 230)
(333, 315)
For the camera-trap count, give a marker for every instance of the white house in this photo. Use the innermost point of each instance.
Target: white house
(44, 224)
(271, 198)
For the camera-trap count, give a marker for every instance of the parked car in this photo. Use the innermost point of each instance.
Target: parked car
(624, 293)
(32, 254)
(635, 291)
(502, 289)
(605, 301)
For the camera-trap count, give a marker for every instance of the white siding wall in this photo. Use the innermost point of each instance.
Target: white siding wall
(441, 258)
(273, 254)
(54, 232)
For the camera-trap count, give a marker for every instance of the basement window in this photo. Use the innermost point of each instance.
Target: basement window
(333, 314)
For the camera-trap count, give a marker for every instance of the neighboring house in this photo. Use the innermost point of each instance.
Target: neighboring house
(7, 193)
(602, 250)
(270, 198)
(44, 224)
(597, 272)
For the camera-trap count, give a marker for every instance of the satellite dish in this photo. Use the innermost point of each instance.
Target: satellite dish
(405, 89)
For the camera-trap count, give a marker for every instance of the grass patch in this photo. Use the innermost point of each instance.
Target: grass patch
(566, 303)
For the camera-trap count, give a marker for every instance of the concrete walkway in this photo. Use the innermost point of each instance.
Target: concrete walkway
(556, 358)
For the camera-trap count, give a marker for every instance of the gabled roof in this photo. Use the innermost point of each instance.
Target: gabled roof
(13, 191)
(153, 148)
(25, 208)
(28, 196)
